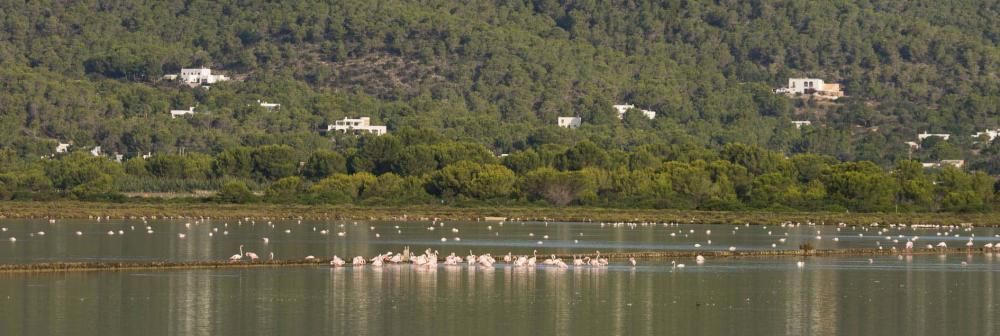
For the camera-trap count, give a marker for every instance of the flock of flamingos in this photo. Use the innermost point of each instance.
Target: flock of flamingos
(430, 259)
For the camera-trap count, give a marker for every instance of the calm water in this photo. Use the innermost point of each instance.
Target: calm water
(926, 295)
(919, 295)
(217, 240)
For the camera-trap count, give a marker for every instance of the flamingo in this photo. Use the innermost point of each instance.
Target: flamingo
(358, 261)
(508, 258)
(632, 259)
(577, 261)
(237, 257)
(337, 262)
(699, 259)
(253, 256)
(561, 264)
(378, 260)
(471, 258)
(534, 257)
(395, 259)
(551, 260)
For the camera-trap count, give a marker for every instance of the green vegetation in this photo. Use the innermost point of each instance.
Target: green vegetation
(458, 84)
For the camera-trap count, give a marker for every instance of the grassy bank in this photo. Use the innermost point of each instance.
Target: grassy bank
(75, 209)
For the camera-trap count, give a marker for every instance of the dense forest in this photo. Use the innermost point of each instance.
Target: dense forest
(470, 93)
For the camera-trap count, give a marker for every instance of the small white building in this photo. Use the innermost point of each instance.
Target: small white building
(201, 76)
(799, 123)
(362, 124)
(926, 135)
(990, 134)
(147, 155)
(913, 145)
(178, 113)
(624, 108)
(62, 147)
(812, 86)
(96, 151)
(942, 163)
(569, 122)
(269, 106)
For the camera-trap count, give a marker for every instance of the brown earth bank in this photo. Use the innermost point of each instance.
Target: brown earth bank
(76, 209)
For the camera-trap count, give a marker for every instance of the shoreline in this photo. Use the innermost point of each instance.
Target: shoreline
(84, 210)
(61, 267)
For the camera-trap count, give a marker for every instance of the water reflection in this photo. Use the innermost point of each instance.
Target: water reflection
(915, 295)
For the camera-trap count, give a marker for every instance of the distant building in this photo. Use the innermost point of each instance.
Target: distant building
(926, 135)
(624, 108)
(569, 122)
(269, 106)
(799, 123)
(96, 151)
(147, 155)
(62, 147)
(199, 76)
(177, 113)
(913, 145)
(812, 86)
(942, 163)
(990, 134)
(362, 124)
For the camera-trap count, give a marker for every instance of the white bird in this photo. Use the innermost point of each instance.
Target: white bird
(358, 261)
(801, 264)
(237, 257)
(266, 240)
(111, 233)
(699, 259)
(78, 233)
(336, 262)
(12, 239)
(942, 245)
(732, 248)
(632, 259)
(181, 235)
(253, 256)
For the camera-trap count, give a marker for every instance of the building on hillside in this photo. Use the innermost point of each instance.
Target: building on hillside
(990, 134)
(942, 163)
(569, 122)
(913, 145)
(799, 123)
(269, 106)
(62, 148)
(362, 124)
(147, 155)
(177, 113)
(812, 86)
(624, 108)
(199, 76)
(925, 135)
(96, 151)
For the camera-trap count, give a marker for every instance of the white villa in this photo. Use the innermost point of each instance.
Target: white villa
(926, 135)
(362, 124)
(990, 134)
(913, 145)
(177, 113)
(269, 106)
(799, 123)
(569, 122)
(96, 151)
(624, 108)
(62, 147)
(812, 86)
(942, 163)
(198, 76)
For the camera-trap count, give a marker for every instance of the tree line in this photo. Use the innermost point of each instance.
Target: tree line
(419, 170)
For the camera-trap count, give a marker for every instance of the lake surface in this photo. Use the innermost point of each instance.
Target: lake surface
(291, 239)
(953, 294)
(921, 295)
